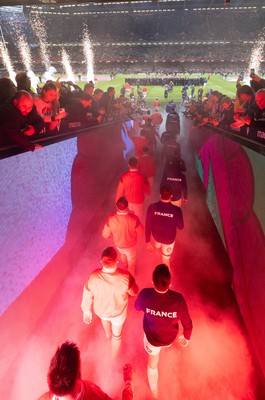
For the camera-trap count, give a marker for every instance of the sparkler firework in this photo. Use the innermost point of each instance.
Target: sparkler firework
(7, 62)
(257, 53)
(67, 66)
(89, 55)
(41, 34)
(27, 61)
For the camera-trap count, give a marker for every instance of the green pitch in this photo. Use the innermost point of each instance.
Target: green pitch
(153, 92)
(217, 82)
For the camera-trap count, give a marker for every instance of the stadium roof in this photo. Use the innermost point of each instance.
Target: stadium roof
(157, 3)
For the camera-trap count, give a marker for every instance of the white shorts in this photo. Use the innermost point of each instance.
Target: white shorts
(152, 350)
(129, 252)
(116, 321)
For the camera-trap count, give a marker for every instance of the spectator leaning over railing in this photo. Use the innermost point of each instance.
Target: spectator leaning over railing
(257, 125)
(95, 106)
(108, 100)
(244, 106)
(226, 117)
(19, 120)
(79, 110)
(48, 106)
(67, 91)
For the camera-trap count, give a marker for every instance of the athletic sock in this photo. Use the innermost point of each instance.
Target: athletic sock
(152, 375)
(115, 345)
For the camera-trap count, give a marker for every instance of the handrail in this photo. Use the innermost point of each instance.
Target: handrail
(11, 150)
(243, 140)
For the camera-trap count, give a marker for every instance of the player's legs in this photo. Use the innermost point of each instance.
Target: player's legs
(123, 258)
(167, 250)
(152, 363)
(116, 340)
(129, 254)
(131, 257)
(107, 328)
(152, 374)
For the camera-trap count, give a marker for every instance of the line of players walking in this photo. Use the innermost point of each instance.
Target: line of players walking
(107, 289)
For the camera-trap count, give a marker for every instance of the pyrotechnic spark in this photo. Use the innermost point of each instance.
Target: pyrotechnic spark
(7, 62)
(24, 51)
(89, 55)
(67, 66)
(257, 53)
(26, 58)
(39, 30)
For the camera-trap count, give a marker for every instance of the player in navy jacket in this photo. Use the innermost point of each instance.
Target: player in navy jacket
(162, 221)
(163, 309)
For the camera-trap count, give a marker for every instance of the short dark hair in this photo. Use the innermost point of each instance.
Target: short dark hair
(226, 99)
(245, 89)
(133, 162)
(49, 86)
(110, 89)
(97, 91)
(161, 277)
(215, 93)
(88, 85)
(64, 369)
(85, 96)
(109, 256)
(21, 77)
(166, 192)
(122, 204)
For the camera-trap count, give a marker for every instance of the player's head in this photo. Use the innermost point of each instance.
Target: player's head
(64, 370)
(145, 150)
(133, 162)
(122, 204)
(161, 278)
(166, 192)
(109, 257)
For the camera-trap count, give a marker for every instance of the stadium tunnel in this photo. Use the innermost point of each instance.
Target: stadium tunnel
(54, 205)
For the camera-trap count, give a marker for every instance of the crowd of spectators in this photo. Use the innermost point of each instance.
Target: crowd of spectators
(176, 25)
(57, 107)
(152, 39)
(244, 115)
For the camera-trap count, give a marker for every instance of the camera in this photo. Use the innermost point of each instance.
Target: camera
(252, 71)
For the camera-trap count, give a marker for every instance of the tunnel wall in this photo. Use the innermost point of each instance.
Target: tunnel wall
(50, 195)
(35, 208)
(233, 176)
